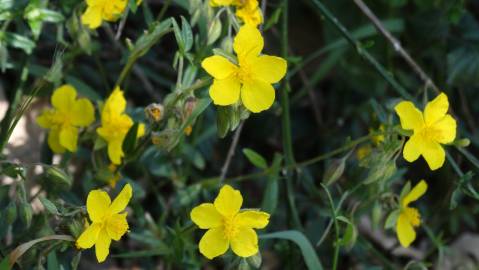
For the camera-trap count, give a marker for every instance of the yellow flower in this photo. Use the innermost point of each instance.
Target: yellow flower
(217, 3)
(65, 118)
(108, 221)
(103, 10)
(251, 78)
(228, 226)
(409, 217)
(363, 152)
(115, 124)
(250, 13)
(431, 129)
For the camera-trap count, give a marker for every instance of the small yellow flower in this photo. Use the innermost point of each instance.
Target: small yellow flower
(251, 78)
(187, 131)
(250, 13)
(103, 10)
(227, 225)
(108, 221)
(431, 129)
(363, 152)
(65, 118)
(217, 3)
(115, 124)
(409, 217)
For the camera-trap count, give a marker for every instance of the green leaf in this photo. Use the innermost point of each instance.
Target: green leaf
(273, 19)
(214, 31)
(271, 193)
(133, 6)
(52, 261)
(391, 220)
(350, 235)
(130, 139)
(309, 254)
(49, 206)
(4, 264)
(187, 34)
(18, 41)
(255, 158)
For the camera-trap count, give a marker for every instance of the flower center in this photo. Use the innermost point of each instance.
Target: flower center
(431, 133)
(244, 73)
(230, 228)
(413, 216)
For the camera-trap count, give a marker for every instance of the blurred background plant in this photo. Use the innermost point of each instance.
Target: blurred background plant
(325, 160)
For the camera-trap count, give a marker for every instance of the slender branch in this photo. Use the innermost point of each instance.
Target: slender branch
(336, 227)
(361, 51)
(396, 44)
(231, 152)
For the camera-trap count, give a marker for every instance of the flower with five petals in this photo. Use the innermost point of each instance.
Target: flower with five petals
(65, 118)
(103, 10)
(228, 226)
(250, 78)
(115, 124)
(430, 129)
(108, 221)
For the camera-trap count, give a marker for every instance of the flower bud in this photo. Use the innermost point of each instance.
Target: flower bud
(58, 176)
(154, 112)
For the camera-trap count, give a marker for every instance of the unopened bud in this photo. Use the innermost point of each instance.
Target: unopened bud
(188, 130)
(154, 112)
(465, 142)
(58, 176)
(190, 105)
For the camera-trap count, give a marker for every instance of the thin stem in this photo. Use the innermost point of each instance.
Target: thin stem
(396, 44)
(180, 72)
(336, 227)
(231, 152)
(286, 122)
(361, 51)
(163, 10)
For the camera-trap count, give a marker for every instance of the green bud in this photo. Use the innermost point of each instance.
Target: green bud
(26, 213)
(465, 142)
(11, 212)
(59, 177)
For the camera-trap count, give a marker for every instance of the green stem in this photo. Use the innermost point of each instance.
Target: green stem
(9, 121)
(336, 227)
(163, 10)
(361, 51)
(286, 122)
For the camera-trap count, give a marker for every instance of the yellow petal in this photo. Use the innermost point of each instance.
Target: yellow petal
(83, 113)
(44, 120)
(115, 151)
(446, 128)
(115, 104)
(252, 219)
(412, 148)
(97, 205)
(270, 69)
(69, 138)
(92, 17)
(206, 216)
(225, 92)
(117, 226)
(88, 238)
(218, 67)
(250, 14)
(216, 3)
(113, 9)
(102, 246)
(436, 109)
(245, 242)
(257, 95)
(229, 201)
(410, 117)
(213, 243)
(141, 130)
(405, 231)
(248, 43)
(121, 201)
(434, 154)
(63, 98)
(415, 193)
(54, 141)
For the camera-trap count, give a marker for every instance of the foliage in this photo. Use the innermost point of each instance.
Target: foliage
(185, 106)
